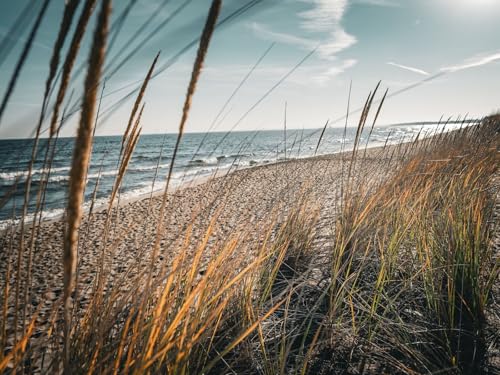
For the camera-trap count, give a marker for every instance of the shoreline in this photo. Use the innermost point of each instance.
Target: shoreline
(192, 182)
(244, 208)
(242, 199)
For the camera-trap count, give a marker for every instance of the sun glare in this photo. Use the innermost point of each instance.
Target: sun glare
(477, 9)
(475, 3)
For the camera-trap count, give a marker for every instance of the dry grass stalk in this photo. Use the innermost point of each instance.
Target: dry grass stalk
(198, 64)
(80, 162)
(67, 19)
(128, 150)
(129, 141)
(321, 137)
(69, 11)
(8, 42)
(10, 89)
(23, 58)
(69, 62)
(165, 324)
(379, 109)
(138, 100)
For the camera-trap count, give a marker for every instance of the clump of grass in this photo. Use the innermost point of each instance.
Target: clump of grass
(265, 331)
(413, 261)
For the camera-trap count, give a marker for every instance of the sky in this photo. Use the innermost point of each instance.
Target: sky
(447, 52)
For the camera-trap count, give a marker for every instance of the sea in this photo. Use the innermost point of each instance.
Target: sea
(200, 155)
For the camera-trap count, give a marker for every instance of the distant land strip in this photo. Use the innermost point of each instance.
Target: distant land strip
(423, 123)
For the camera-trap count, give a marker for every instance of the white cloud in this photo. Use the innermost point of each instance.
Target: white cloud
(324, 15)
(321, 27)
(324, 18)
(339, 40)
(409, 68)
(381, 3)
(333, 71)
(473, 63)
(264, 32)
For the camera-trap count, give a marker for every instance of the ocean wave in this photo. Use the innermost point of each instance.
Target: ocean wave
(234, 156)
(54, 213)
(242, 163)
(147, 168)
(111, 172)
(203, 161)
(253, 162)
(56, 176)
(12, 175)
(194, 172)
(178, 178)
(145, 157)
(46, 215)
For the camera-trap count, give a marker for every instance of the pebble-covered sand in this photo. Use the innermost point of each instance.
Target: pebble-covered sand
(246, 202)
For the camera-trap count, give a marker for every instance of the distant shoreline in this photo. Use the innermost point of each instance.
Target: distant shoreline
(412, 123)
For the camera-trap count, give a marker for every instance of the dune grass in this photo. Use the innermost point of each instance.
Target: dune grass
(415, 258)
(404, 284)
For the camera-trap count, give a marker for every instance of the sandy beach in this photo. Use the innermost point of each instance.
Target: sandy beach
(242, 203)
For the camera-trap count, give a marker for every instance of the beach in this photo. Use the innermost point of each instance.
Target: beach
(249, 187)
(244, 203)
(243, 210)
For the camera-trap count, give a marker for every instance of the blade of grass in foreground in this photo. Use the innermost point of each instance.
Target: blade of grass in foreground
(79, 165)
(198, 64)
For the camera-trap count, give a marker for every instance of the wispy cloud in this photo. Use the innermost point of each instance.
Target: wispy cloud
(333, 71)
(324, 19)
(323, 15)
(473, 62)
(409, 68)
(381, 3)
(338, 41)
(320, 27)
(266, 33)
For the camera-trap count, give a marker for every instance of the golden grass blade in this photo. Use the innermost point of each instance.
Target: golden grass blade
(19, 348)
(79, 165)
(198, 64)
(8, 41)
(69, 62)
(67, 19)
(138, 100)
(242, 336)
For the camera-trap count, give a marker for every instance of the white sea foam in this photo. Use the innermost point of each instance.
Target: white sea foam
(12, 175)
(147, 167)
(204, 161)
(186, 170)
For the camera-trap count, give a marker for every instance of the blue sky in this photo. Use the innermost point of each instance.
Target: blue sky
(400, 42)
